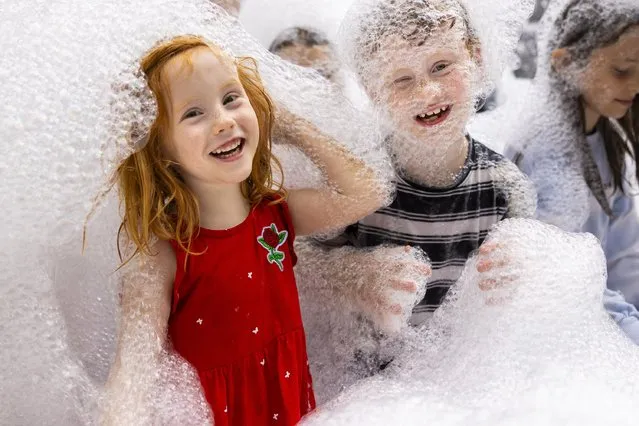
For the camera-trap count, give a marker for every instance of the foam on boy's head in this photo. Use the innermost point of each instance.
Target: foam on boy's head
(378, 24)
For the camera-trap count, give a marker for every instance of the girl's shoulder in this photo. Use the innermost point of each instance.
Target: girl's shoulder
(275, 208)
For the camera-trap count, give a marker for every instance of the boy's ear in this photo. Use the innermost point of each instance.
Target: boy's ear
(476, 53)
(559, 59)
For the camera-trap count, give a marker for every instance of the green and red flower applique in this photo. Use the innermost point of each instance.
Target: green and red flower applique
(271, 239)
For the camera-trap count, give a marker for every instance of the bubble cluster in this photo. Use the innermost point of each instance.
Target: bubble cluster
(537, 349)
(73, 106)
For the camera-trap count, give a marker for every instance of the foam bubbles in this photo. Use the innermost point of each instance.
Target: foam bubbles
(539, 350)
(71, 92)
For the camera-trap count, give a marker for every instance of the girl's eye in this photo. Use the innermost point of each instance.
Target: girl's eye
(192, 113)
(440, 66)
(619, 72)
(402, 80)
(230, 98)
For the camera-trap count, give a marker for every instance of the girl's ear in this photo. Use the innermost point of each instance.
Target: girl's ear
(559, 59)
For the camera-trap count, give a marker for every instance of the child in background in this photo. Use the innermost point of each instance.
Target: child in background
(212, 273)
(580, 141)
(420, 63)
(231, 6)
(307, 47)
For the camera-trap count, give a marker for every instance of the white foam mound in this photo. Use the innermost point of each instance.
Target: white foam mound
(59, 143)
(540, 351)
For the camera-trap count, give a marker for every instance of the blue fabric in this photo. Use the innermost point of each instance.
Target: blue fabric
(619, 236)
(624, 313)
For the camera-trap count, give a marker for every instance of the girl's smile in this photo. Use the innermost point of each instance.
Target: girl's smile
(229, 151)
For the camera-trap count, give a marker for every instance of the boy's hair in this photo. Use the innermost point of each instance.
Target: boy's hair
(586, 25)
(308, 37)
(412, 20)
(157, 202)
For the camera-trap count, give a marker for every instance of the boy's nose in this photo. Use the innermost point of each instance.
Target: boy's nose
(429, 88)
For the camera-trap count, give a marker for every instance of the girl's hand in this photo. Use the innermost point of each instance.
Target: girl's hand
(392, 281)
(290, 129)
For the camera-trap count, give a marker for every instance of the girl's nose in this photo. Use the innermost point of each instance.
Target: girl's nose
(223, 123)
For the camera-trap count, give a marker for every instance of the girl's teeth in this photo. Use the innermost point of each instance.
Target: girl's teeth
(231, 148)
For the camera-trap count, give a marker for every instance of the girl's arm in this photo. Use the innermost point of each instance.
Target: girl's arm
(354, 190)
(622, 246)
(145, 308)
(623, 313)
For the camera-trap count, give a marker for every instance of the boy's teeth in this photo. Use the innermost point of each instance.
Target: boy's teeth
(434, 112)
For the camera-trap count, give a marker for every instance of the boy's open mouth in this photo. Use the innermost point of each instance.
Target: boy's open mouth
(229, 150)
(433, 117)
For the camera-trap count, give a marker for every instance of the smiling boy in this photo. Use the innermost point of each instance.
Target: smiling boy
(420, 63)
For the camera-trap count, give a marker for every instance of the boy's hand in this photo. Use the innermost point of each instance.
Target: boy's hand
(393, 281)
(496, 271)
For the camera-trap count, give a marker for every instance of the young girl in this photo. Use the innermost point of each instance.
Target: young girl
(580, 141)
(213, 267)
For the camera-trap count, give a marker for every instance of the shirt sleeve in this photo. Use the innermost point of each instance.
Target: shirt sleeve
(520, 193)
(623, 313)
(622, 248)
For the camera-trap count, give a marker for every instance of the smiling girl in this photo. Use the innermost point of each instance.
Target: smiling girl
(579, 143)
(212, 276)
(579, 147)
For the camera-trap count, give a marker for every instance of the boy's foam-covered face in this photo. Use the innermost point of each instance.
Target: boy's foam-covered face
(610, 80)
(425, 90)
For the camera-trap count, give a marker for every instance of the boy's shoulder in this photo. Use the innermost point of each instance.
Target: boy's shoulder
(481, 154)
(518, 190)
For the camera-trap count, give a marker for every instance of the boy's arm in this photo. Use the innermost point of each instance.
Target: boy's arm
(145, 309)
(353, 190)
(520, 191)
(624, 313)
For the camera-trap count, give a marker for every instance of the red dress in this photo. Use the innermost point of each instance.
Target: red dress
(236, 318)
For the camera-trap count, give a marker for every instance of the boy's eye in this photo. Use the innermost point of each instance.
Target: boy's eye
(401, 80)
(440, 66)
(230, 98)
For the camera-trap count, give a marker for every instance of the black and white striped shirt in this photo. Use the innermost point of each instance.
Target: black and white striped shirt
(448, 224)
